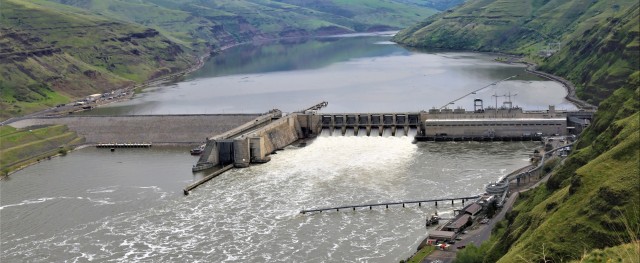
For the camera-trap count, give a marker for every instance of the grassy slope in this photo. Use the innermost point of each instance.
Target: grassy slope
(421, 254)
(607, 27)
(578, 217)
(602, 53)
(627, 253)
(591, 201)
(221, 22)
(53, 51)
(20, 147)
(50, 53)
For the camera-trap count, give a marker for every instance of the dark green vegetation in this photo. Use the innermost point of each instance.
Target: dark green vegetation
(25, 146)
(596, 41)
(592, 200)
(54, 51)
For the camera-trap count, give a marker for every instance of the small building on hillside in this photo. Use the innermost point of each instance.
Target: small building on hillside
(441, 235)
(473, 209)
(460, 222)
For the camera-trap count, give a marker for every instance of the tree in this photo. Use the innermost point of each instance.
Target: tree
(470, 254)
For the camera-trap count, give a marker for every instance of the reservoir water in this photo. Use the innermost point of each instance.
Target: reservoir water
(127, 205)
(354, 74)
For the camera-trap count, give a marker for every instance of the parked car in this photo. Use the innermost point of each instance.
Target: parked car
(461, 247)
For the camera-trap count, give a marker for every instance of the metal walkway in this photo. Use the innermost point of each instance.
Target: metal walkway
(419, 202)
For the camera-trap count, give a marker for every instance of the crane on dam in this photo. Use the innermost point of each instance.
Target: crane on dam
(475, 91)
(315, 108)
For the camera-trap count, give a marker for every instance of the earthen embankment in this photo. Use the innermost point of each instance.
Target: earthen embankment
(156, 129)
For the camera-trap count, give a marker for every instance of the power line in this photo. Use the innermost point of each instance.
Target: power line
(474, 92)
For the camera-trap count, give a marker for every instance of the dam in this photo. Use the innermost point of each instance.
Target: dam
(255, 140)
(187, 129)
(130, 206)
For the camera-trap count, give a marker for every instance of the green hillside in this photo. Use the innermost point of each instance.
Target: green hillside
(588, 210)
(223, 22)
(57, 50)
(20, 147)
(50, 53)
(596, 41)
(592, 201)
(600, 57)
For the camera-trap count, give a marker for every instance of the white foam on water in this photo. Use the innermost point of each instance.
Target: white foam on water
(100, 201)
(100, 190)
(252, 214)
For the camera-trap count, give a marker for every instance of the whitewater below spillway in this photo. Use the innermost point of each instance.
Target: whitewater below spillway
(128, 206)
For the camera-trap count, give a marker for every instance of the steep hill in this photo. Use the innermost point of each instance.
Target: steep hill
(223, 22)
(539, 28)
(51, 52)
(601, 57)
(592, 200)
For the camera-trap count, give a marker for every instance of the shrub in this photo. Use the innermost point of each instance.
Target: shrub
(62, 151)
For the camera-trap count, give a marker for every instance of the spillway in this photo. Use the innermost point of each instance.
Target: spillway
(244, 215)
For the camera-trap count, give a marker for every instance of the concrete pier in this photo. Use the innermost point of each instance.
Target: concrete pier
(192, 186)
(230, 146)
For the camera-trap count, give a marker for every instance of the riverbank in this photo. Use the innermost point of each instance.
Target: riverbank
(20, 148)
(571, 89)
(159, 130)
(128, 92)
(480, 232)
(74, 131)
(532, 68)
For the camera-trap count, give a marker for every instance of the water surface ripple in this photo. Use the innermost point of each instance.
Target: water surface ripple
(244, 215)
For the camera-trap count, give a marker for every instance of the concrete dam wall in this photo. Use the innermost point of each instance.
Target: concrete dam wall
(157, 129)
(259, 138)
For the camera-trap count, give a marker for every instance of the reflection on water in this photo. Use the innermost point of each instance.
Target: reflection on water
(127, 205)
(355, 74)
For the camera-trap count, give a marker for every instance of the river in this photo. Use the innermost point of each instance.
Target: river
(127, 205)
(354, 74)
